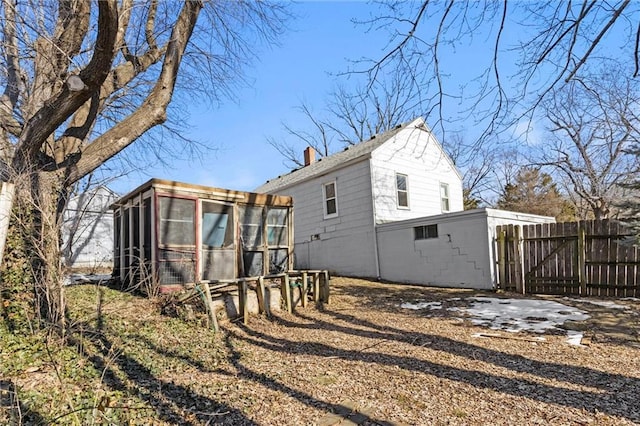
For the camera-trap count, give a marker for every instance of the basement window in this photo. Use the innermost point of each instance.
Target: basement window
(425, 232)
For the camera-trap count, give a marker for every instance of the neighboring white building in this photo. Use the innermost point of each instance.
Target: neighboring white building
(448, 250)
(339, 200)
(87, 231)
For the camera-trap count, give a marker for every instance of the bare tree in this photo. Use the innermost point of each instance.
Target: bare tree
(350, 116)
(320, 137)
(549, 42)
(477, 165)
(593, 121)
(84, 80)
(629, 205)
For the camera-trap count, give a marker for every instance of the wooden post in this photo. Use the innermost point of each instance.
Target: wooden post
(212, 313)
(287, 292)
(517, 261)
(325, 287)
(502, 264)
(303, 289)
(261, 295)
(316, 287)
(242, 301)
(581, 259)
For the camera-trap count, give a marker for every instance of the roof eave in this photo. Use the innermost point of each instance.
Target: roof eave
(339, 166)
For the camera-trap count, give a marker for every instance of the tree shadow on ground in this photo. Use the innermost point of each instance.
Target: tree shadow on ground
(613, 387)
(572, 374)
(605, 325)
(169, 400)
(124, 373)
(263, 379)
(167, 397)
(13, 410)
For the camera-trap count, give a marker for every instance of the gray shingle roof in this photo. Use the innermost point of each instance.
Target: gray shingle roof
(331, 162)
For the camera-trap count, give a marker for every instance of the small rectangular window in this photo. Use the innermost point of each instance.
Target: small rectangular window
(330, 200)
(426, 232)
(444, 197)
(402, 190)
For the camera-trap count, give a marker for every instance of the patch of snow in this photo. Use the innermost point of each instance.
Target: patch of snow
(422, 305)
(86, 279)
(633, 299)
(574, 338)
(515, 315)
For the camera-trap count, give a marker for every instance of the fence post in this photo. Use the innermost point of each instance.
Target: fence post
(260, 292)
(581, 259)
(502, 276)
(303, 289)
(287, 292)
(212, 311)
(518, 268)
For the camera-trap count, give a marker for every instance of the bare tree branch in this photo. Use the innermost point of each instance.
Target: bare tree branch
(592, 126)
(153, 110)
(49, 117)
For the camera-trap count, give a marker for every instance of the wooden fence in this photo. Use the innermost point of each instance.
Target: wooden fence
(587, 258)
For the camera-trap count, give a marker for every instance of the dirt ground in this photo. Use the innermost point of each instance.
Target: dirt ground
(364, 360)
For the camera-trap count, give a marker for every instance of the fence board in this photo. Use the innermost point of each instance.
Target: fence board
(586, 258)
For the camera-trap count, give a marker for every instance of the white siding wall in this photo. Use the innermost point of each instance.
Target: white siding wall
(417, 154)
(459, 257)
(343, 244)
(88, 227)
(463, 255)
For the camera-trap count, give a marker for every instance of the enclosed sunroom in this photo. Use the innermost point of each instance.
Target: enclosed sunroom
(172, 234)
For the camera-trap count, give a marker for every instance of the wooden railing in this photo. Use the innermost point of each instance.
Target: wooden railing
(320, 290)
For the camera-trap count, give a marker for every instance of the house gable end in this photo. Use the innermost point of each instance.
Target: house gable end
(418, 156)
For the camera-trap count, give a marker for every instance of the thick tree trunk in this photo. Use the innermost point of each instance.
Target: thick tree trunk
(49, 236)
(600, 210)
(39, 196)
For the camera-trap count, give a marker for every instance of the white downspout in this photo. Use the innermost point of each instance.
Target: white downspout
(375, 231)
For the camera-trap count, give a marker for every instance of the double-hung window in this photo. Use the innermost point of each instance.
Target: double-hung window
(402, 191)
(330, 198)
(444, 197)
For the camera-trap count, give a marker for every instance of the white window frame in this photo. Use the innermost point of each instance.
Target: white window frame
(328, 215)
(406, 191)
(445, 197)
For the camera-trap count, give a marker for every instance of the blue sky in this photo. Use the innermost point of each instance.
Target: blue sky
(319, 44)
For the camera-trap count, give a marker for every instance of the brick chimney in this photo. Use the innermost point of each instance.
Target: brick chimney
(309, 156)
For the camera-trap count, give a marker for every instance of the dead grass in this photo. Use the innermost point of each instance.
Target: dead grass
(361, 353)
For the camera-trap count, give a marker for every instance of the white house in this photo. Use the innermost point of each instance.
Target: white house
(447, 250)
(341, 199)
(87, 230)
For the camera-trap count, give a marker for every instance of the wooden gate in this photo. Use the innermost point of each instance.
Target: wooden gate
(586, 258)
